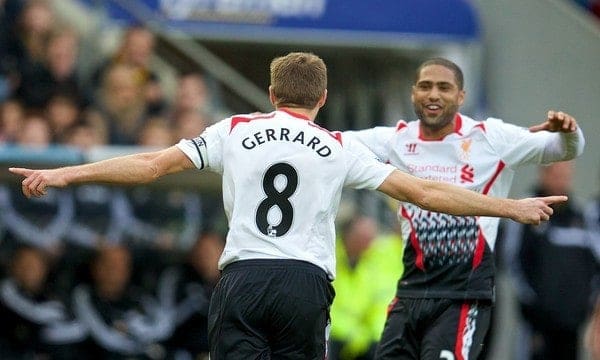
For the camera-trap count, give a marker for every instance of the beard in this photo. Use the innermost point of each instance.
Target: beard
(437, 122)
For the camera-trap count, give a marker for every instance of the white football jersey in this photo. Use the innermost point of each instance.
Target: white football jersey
(451, 256)
(282, 181)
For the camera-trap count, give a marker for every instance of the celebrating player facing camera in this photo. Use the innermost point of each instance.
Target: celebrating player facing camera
(445, 296)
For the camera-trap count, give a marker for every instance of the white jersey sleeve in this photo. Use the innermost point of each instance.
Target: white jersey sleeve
(514, 144)
(206, 150)
(365, 171)
(518, 146)
(376, 139)
(564, 146)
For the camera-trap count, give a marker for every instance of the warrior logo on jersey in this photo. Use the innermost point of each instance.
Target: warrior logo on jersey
(441, 238)
(411, 149)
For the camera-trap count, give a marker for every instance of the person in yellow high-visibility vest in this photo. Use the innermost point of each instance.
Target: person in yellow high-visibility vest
(367, 268)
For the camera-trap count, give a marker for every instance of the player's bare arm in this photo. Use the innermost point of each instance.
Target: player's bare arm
(451, 199)
(131, 169)
(556, 121)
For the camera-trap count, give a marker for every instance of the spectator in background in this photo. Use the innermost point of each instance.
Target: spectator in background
(187, 289)
(192, 95)
(592, 221)
(136, 51)
(367, 267)
(62, 112)
(62, 53)
(120, 318)
(35, 23)
(41, 224)
(553, 267)
(36, 132)
(156, 133)
(351, 336)
(55, 73)
(120, 105)
(35, 323)
(9, 13)
(84, 136)
(27, 35)
(12, 116)
(20, 292)
(189, 124)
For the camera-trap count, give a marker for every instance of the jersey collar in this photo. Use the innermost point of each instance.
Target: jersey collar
(294, 114)
(457, 129)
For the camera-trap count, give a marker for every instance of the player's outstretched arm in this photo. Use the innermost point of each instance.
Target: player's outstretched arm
(451, 199)
(131, 169)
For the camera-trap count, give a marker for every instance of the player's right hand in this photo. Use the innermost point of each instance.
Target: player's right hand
(556, 121)
(36, 181)
(535, 210)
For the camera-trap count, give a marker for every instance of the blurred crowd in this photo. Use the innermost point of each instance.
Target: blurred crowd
(104, 271)
(127, 273)
(46, 98)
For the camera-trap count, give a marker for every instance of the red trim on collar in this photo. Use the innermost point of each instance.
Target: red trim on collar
(458, 124)
(240, 119)
(294, 114)
(401, 125)
(334, 134)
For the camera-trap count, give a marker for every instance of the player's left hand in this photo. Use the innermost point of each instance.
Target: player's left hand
(535, 210)
(556, 121)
